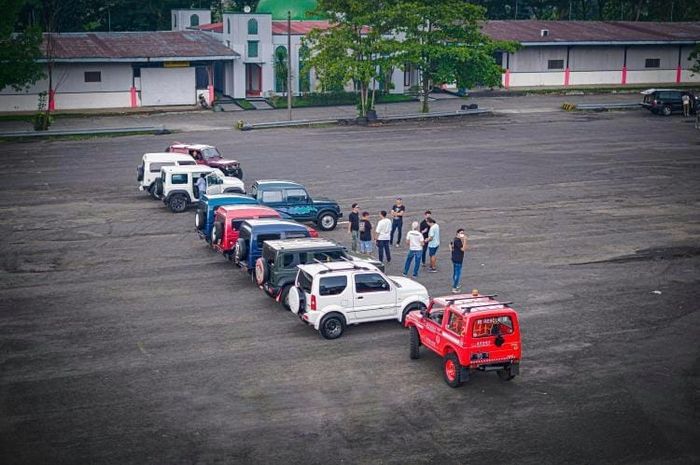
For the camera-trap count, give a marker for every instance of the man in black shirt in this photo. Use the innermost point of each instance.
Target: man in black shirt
(365, 234)
(397, 212)
(458, 246)
(424, 228)
(354, 218)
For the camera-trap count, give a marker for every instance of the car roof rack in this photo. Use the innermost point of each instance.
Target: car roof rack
(455, 299)
(328, 269)
(468, 308)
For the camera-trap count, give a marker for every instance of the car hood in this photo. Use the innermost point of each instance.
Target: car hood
(409, 287)
(221, 162)
(235, 182)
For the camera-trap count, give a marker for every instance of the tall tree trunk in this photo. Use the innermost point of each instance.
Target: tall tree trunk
(426, 87)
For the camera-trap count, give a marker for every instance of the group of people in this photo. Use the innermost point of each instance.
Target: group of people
(423, 240)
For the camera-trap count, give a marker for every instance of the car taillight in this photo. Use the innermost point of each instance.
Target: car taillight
(313, 302)
(312, 232)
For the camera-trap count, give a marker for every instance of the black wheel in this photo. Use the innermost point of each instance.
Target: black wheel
(284, 297)
(159, 188)
(239, 251)
(217, 232)
(415, 343)
(200, 219)
(152, 191)
(666, 111)
(505, 374)
(452, 370)
(410, 308)
(177, 203)
(139, 173)
(332, 326)
(327, 221)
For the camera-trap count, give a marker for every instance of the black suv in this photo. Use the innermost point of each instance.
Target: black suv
(276, 270)
(666, 101)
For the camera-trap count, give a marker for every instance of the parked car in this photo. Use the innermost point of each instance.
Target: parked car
(293, 200)
(471, 333)
(253, 233)
(207, 205)
(666, 101)
(228, 220)
(276, 269)
(149, 170)
(210, 156)
(330, 296)
(176, 185)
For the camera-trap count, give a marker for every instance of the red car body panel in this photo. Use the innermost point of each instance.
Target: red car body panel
(230, 213)
(195, 151)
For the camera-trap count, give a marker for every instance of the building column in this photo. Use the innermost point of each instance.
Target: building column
(506, 82)
(623, 81)
(210, 82)
(679, 69)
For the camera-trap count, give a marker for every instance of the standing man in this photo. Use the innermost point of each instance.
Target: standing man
(397, 212)
(365, 234)
(458, 246)
(354, 228)
(685, 98)
(433, 244)
(383, 232)
(424, 228)
(201, 185)
(414, 240)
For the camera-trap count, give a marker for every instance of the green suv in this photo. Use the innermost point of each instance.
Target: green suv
(276, 269)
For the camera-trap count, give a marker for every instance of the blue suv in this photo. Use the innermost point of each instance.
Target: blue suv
(291, 199)
(252, 234)
(207, 205)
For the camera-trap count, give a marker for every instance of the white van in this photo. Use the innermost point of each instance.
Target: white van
(151, 163)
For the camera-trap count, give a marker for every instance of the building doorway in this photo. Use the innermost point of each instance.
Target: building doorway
(253, 80)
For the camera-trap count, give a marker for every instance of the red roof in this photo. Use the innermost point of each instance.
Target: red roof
(213, 27)
(298, 27)
(591, 31)
(138, 46)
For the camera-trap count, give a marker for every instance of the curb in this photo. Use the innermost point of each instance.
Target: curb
(156, 130)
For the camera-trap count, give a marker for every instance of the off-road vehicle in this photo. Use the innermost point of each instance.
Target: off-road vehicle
(210, 156)
(330, 296)
(276, 270)
(252, 234)
(149, 170)
(207, 205)
(667, 101)
(291, 199)
(177, 185)
(471, 332)
(228, 220)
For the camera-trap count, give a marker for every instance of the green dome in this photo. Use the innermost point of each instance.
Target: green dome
(279, 8)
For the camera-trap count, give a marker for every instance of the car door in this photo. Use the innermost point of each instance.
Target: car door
(273, 198)
(299, 204)
(375, 297)
(430, 336)
(214, 184)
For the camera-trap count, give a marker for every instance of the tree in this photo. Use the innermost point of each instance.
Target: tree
(18, 51)
(695, 58)
(356, 46)
(444, 42)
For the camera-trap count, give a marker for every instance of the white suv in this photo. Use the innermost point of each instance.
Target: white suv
(177, 185)
(330, 296)
(151, 163)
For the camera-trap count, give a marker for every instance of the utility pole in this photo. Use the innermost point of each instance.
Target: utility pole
(289, 65)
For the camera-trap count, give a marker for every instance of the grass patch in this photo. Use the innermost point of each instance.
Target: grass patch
(243, 103)
(334, 99)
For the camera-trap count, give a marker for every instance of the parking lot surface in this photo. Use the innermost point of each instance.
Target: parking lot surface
(124, 340)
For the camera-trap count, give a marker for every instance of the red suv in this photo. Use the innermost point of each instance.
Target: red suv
(210, 156)
(471, 333)
(227, 220)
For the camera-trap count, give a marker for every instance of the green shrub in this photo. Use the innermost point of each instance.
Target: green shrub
(334, 99)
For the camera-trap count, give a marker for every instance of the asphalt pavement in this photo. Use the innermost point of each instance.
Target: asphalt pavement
(124, 340)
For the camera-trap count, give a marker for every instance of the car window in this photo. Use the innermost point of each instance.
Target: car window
(288, 260)
(332, 285)
(266, 237)
(179, 179)
(370, 282)
(329, 256)
(272, 196)
(492, 326)
(295, 234)
(436, 312)
(296, 195)
(187, 163)
(210, 152)
(155, 167)
(455, 323)
(304, 280)
(236, 224)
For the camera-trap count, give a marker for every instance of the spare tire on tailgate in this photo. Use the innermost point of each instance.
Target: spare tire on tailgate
(217, 232)
(200, 219)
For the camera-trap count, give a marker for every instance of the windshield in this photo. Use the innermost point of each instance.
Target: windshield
(210, 152)
(305, 281)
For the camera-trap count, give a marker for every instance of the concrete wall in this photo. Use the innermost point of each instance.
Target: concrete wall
(587, 58)
(180, 20)
(168, 86)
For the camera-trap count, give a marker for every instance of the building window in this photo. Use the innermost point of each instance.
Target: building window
(93, 76)
(252, 49)
(280, 69)
(194, 20)
(652, 63)
(253, 27)
(498, 57)
(555, 64)
(228, 26)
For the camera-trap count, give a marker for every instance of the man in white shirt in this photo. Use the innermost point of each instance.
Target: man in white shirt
(201, 185)
(414, 240)
(383, 234)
